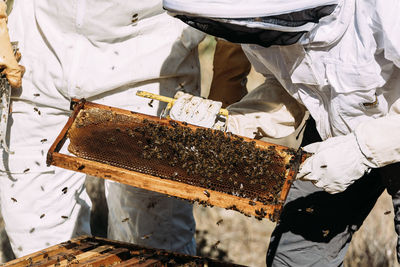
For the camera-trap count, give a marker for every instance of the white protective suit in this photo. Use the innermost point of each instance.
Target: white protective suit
(103, 51)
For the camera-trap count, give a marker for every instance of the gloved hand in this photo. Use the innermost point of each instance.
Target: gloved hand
(268, 109)
(335, 164)
(8, 62)
(195, 110)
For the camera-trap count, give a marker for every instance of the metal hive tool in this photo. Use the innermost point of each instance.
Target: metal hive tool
(95, 251)
(185, 161)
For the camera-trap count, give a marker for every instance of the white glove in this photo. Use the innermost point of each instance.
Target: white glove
(195, 110)
(335, 164)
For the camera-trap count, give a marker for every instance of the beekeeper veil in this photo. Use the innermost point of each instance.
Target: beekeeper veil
(262, 22)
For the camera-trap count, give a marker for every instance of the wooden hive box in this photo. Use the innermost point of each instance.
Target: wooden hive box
(96, 252)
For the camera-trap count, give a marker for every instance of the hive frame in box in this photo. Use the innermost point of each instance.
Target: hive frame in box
(96, 251)
(166, 186)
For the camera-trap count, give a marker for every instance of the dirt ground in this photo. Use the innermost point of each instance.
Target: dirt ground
(233, 237)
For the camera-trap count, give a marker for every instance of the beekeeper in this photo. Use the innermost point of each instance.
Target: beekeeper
(341, 60)
(103, 51)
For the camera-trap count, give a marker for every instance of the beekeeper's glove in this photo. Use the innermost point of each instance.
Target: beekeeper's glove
(195, 110)
(8, 62)
(335, 164)
(268, 110)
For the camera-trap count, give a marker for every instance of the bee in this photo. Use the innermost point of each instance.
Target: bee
(45, 255)
(42, 188)
(43, 140)
(325, 233)
(65, 190)
(216, 244)
(64, 217)
(27, 170)
(36, 109)
(41, 216)
(309, 210)
(13, 199)
(171, 262)
(151, 205)
(32, 230)
(220, 221)
(146, 236)
(69, 257)
(173, 124)
(151, 103)
(387, 212)
(36, 94)
(125, 220)
(324, 166)
(81, 167)
(134, 18)
(252, 203)
(206, 193)
(58, 262)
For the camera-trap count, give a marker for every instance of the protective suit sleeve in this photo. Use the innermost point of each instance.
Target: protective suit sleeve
(386, 22)
(8, 61)
(267, 110)
(378, 139)
(231, 68)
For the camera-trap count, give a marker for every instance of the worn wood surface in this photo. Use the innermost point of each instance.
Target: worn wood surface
(95, 251)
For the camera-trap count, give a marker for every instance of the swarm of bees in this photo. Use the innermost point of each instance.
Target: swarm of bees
(214, 160)
(202, 157)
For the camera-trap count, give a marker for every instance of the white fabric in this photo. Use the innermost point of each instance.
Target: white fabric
(349, 85)
(102, 50)
(241, 8)
(268, 109)
(159, 221)
(379, 140)
(335, 164)
(195, 110)
(341, 85)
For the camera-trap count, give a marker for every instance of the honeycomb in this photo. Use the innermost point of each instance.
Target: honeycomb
(167, 149)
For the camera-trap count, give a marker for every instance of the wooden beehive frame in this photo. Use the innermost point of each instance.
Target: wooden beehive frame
(96, 251)
(165, 186)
